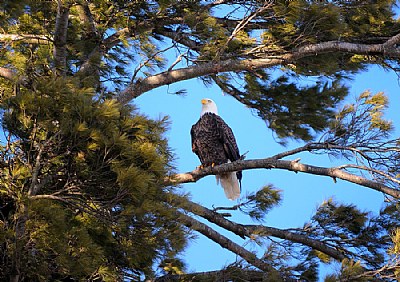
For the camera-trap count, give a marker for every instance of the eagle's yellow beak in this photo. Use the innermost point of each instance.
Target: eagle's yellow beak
(204, 101)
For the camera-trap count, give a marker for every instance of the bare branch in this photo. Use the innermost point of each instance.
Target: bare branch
(141, 86)
(7, 73)
(226, 243)
(372, 170)
(87, 17)
(12, 76)
(27, 38)
(216, 3)
(165, 78)
(249, 230)
(272, 163)
(386, 49)
(48, 197)
(33, 189)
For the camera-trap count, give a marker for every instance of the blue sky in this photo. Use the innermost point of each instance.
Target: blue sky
(301, 193)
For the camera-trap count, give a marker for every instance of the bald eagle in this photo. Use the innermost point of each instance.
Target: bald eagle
(214, 143)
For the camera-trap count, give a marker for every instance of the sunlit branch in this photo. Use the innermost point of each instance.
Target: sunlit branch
(324, 146)
(7, 73)
(168, 77)
(33, 189)
(294, 165)
(375, 171)
(165, 78)
(26, 38)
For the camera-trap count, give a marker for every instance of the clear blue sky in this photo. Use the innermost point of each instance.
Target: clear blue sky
(301, 193)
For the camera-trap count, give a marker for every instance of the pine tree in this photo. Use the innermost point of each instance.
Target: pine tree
(88, 184)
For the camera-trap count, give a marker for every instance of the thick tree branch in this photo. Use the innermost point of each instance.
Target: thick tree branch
(12, 76)
(294, 165)
(387, 49)
(249, 230)
(87, 17)
(27, 38)
(226, 243)
(60, 39)
(48, 197)
(165, 78)
(7, 73)
(33, 189)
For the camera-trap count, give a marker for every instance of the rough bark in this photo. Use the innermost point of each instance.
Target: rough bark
(27, 38)
(226, 243)
(387, 49)
(250, 230)
(294, 165)
(60, 39)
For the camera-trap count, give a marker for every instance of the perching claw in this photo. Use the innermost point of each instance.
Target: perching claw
(199, 167)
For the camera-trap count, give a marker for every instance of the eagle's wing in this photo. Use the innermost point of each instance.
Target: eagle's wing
(228, 140)
(193, 137)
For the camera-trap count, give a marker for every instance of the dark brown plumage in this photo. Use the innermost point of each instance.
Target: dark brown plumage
(214, 143)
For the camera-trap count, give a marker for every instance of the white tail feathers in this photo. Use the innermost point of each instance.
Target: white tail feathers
(230, 184)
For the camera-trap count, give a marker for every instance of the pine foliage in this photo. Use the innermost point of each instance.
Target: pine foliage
(104, 164)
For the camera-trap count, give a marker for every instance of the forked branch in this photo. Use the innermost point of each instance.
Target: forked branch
(249, 231)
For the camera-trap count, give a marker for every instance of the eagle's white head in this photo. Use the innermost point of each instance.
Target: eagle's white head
(209, 106)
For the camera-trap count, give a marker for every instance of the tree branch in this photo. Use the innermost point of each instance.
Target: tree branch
(86, 16)
(60, 39)
(33, 189)
(27, 38)
(7, 73)
(226, 243)
(141, 86)
(12, 76)
(387, 49)
(229, 274)
(48, 197)
(249, 230)
(179, 37)
(272, 163)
